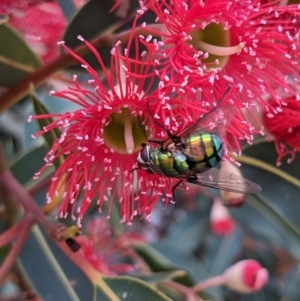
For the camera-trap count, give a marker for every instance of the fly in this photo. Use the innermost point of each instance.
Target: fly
(192, 155)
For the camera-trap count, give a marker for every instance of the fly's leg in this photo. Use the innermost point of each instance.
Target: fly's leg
(173, 191)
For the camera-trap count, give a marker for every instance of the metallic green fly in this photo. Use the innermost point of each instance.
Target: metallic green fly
(192, 154)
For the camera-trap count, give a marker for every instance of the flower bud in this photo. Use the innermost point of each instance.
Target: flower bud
(229, 198)
(246, 276)
(221, 222)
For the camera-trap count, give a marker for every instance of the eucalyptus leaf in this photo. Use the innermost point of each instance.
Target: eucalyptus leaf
(275, 211)
(67, 7)
(91, 20)
(50, 272)
(155, 260)
(189, 231)
(161, 276)
(129, 288)
(51, 135)
(55, 277)
(162, 257)
(24, 167)
(17, 60)
(95, 18)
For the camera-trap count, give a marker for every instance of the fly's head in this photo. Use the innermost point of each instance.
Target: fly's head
(143, 158)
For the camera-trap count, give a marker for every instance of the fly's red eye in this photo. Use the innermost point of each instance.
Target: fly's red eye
(145, 154)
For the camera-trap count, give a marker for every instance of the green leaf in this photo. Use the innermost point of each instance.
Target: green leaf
(188, 232)
(161, 276)
(162, 257)
(55, 277)
(28, 164)
(51, 272)
(17, 60)
(129, 288)
(156, 261)
(67, 7)
(275, 211)
(49, 136)
(91, 20)
(94, 19)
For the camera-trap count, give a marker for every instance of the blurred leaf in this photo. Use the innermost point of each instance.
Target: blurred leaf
(55, 277)
(155, 260)
(3, 18)
(28, 164)
(49, 136)
(274, 212)
(171, 293)
(162, 257)
(157, 277)
(67, 7)
(54, 105)
(91, 20)
(51, 272)
(8, 146)
(94, 19)
(220, 252)
(129, 288)
(17, 60)
(188, 233)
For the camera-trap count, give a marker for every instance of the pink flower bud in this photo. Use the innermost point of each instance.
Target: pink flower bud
(232, 199)
(221, 222)
(246, 276)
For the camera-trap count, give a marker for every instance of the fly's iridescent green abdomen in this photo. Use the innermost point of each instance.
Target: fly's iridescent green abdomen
(203, 151)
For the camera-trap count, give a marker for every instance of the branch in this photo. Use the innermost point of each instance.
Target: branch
(12, 232)
(10, 259)
(38, 77)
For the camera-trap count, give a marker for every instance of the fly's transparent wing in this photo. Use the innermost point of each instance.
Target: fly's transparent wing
(215, 121)
(225, 181)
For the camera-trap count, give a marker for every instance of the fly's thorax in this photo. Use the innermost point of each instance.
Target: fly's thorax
(205, 150)
(169, 163)
(159, 160)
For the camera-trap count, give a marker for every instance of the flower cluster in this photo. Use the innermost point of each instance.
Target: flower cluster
(195, 51)
(104, 251)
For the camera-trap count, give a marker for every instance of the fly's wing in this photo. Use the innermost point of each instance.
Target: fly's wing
(225, 181)
(215, 121)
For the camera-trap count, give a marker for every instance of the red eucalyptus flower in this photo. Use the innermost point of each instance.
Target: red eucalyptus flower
(42, 26)
(284, 125)
(103, 250)
(101, 140)
(215, 43)
(7, 6)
